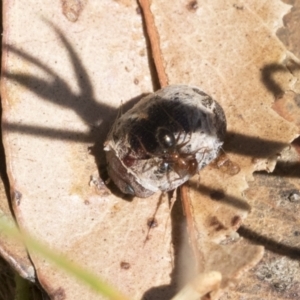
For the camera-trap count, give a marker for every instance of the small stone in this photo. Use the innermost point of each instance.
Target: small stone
(294, 197)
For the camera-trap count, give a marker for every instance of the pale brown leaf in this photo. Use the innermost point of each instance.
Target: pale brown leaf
(63, 83)
(231, 51)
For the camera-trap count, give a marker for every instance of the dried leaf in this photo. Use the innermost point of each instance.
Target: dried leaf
(200, 286)
(12, 251)
(218, 47)
(274, 223)
(62, 86)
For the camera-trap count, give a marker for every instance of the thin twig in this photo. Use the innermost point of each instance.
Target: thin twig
(186, 203)
(163, 79)
(155, 43)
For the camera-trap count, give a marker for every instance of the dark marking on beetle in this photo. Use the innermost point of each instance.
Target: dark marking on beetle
(128, 160)
(199, 92)
(221, 126)
(161, 137)
(162, 169)
(208, 102)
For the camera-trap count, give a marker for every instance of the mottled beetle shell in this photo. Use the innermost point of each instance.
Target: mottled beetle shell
(135, 155)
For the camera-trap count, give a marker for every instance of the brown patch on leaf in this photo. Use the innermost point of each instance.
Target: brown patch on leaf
(152, 223)
(288, 106)
(236, 221)
(289, 33)
(126, 2)
(192, 5)
(138, 10)
(124, 265)
(227, 166)
(58, 294)
(214, 222)
(17, 197)
(238, 6)
(72, 9)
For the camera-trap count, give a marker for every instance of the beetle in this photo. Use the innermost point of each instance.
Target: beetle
(165, 139)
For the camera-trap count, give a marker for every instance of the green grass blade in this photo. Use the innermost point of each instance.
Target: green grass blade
(62, 262)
